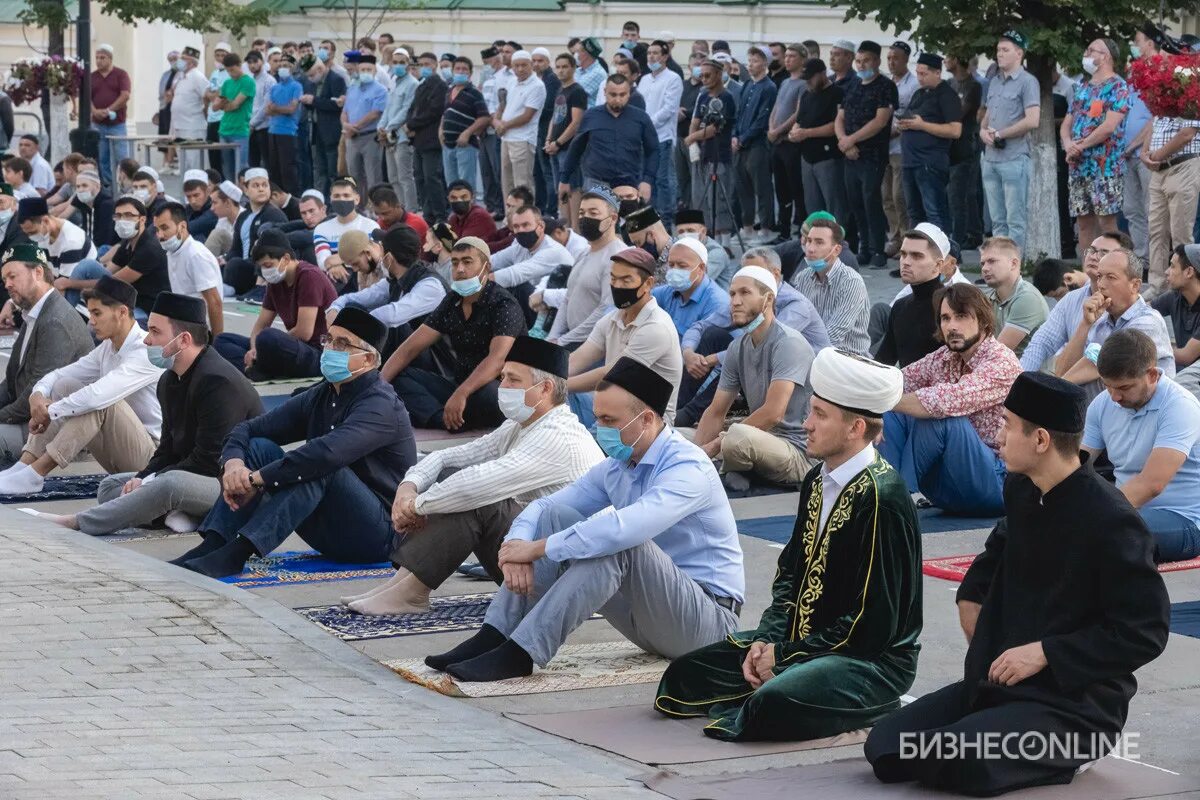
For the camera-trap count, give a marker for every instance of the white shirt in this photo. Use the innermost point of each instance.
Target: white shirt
(662, 90)
(43, 175)
(906, 87)
(187, 106)
(108, 377)
(263, 82)
(215, 81)
(376, 298)
(832, 482)
(515, 265)
(522, 463)
(25, 190)
(29, 318)
(193, 269)
(529, 93)
(576, 245)
(67, 250)
(957, 277)
(327, 234)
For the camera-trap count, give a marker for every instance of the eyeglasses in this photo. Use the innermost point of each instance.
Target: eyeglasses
(340, 344)
(127, 217)
(1096, 251)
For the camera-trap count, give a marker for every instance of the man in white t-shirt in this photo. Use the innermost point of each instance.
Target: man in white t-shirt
(193, 269)
(343, 202)
(518, 125)
(187, 107)
(65, 241)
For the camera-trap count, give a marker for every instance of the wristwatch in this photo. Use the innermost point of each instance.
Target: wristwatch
(257, 484)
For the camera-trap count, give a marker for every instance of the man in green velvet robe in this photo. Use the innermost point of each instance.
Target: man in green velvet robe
(838, 646)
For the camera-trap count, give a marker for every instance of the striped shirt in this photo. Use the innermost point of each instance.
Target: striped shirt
(328, 233)
(840, 297)
(521, 463)
(461, 112)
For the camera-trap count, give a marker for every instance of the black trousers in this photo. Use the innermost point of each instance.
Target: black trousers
(789, 190)
(425, 395)
(282, 163)
(260, 148)
(213, 134)
(431, 182)
(693, 400)
(241, 274)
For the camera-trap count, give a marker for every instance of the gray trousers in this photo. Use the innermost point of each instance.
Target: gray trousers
(434, 552)
(640, 591)
(877, 324)
(702, 190)
(400, 172)
(754, 186)
(364, 162)
(1189, 378)
(176, 490)
(824, 186)
(1136, 205)
(12, 443)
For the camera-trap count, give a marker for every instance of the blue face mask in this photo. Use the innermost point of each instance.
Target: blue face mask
(426, 72)
(322, 55)
(398, 70)
(154, 352)
(1135, 52)
(865, 74)
(460, 78)
(816, 264)
(467, 287)
(285, 73)
(446, 73)
(679, 279)
(610, 442)
(655, 67)
(752, 324)
(695, 72)
(335, 366)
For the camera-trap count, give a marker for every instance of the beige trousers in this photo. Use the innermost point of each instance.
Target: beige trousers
(894, 207)
(516, 165)
(1173, 196)
(746, 448)
(115, 436)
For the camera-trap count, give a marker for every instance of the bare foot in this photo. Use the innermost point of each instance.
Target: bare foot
(392, 581)
(407, 597)
(65, 520)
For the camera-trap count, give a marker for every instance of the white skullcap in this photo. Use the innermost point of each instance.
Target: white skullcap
(230, 190)
(857, 384)
(541, 51)
(695, 246)
(521, 55)
(722, 58)
(315, 194)
(666, 36)
(402, 51)
(935, 233)
(195, 175)
(151, 171)
(223, 46)
(760, 274)
(274, 51)
(104, 48)
(845, 44)
(257, 172)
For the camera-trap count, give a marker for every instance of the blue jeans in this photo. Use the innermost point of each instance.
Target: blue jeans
(558, 162)
(229, 160)
(1176, 538)
(581, 404)
(1006, 187)
(926, 196)
(336, 514)
(278, 354)
(461, 164)
(946, 461)
(87, 270)
(666, 184)
(119, 150)
(425, 394)
(864, 197)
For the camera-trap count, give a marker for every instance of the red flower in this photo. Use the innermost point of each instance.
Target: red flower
(1169, 85)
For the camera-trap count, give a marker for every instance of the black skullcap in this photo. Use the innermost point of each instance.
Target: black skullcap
(591, 46)
(366, 58)
(180, 307)
(118, 290)
(307, 62)
(6, 188)
(868, 46)
(447, 57)
(362, 325)
(642, 219)
(813, 67)
(931, 60)
(27, 252)
(905, 46)
(689, 216)
(490, 52)
(271, 242)
(720, 46)
(1048, 402)
(540, 354)
(31, 208)
(403, 243)
(642, 382)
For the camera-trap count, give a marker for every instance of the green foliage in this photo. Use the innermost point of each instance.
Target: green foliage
(202, 16)
(1057, 29)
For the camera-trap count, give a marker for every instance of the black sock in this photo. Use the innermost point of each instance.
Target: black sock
(228, 560)
(487, 639)
(213, 541)
(506, 661)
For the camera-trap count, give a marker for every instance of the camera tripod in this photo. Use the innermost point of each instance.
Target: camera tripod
(714, 192)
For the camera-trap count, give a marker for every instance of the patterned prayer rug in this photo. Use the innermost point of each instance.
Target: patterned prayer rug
(576, 666)
(60, 487)
(1185, 619)
(932, 520)
(954, 568)
(308, 566)
(461, 612)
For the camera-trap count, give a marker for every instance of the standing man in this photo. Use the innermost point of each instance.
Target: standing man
(518, 123)
(546, 189)
(569, 105)
(465, 119)
(110, 97)
(662, 90)
(264, 81)
(166, 92)
(1093, 137)
(687, 103)
(823, 178)
(906, 84)
(397, 149)
(489, 142)
(424, 120)
(1172, 156)
(283, 126)
(966, 210)
(590, 74)
(238, 99)
(1013, 111)
(326, 103)
(933, 121)
(188, 101)
(616, 144)
(785, 154)
(753, 151)
(365, 102)
(1046, 657)
(215, 81)
(711, 131)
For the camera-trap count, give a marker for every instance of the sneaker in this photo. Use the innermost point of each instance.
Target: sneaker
(879, 262)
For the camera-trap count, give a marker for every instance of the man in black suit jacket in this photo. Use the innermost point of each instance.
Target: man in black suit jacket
(239, 270)
(326, 119)
(428, 106)
(203, 397)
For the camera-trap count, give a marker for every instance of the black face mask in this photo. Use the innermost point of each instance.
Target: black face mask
(624, 298)
(341, 208)
(460, 207)
(589, 228)
(627, 207)
(527, 239)
(650, 247)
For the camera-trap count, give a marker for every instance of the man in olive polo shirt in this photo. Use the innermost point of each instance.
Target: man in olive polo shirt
(1019, 307)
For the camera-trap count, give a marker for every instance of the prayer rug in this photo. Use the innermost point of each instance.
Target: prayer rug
(439, 435)
(576, 666)
(303, 566)
(273, 401)
(1185, 619)
(285, 381)
(642, 734)
(60, 487)
(954, 568)
(932, 520)
(461, 612)
(852, 779)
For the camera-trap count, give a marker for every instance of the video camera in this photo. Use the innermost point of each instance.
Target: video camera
(1187, 44)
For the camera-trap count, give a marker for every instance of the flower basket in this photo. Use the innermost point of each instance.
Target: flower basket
(28, 77)
(1169, 85)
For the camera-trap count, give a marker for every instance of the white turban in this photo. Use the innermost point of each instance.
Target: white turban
(695, 246)
(760, 274)
(105, 48)
(857, 384)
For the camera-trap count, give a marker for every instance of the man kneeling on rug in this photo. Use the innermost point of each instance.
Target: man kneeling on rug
(464, 499)
(335, 490)
(664, 567)
(838, 645)
(202, 397)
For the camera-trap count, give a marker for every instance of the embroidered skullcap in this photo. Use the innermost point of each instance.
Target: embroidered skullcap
(257, 172)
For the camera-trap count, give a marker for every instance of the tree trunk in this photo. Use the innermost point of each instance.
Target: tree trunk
(60, 127)
(56, 47)
(1042, 237)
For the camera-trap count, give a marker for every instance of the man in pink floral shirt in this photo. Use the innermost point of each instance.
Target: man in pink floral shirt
(942, 436)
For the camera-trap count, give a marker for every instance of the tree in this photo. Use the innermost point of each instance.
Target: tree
(202, 16)
(1058, 32)
(366, 18)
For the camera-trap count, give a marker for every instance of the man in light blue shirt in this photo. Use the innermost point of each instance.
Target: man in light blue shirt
(689, 295)
(664, 568)
(1150, 428)
(366, 100)
(397, 149)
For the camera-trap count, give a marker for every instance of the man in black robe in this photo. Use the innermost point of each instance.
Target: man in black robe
(1060, 610)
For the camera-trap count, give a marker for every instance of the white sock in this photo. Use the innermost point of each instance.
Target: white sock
(21, 481)
(181, 522)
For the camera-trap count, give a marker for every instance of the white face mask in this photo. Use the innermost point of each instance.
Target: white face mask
(85, 195)
(172, 244)
(512, 404)
(272, 274)
(142, 194)
(126, 229)
(1089, 65)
